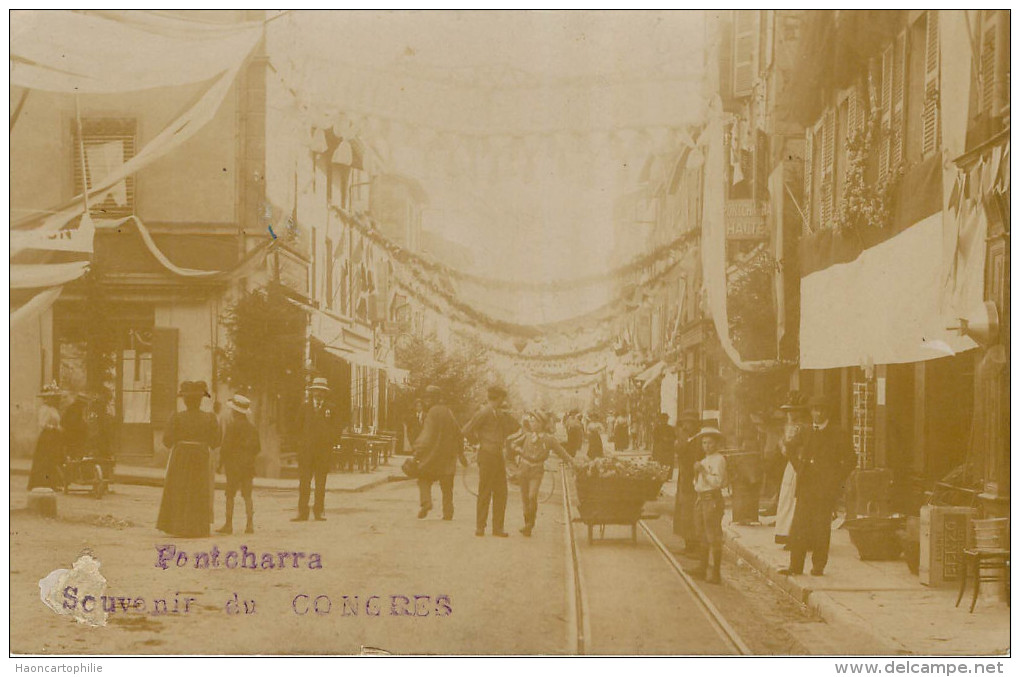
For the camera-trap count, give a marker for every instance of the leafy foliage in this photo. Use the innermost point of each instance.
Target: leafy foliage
(265, 343)
(99, 331)
(460, 372)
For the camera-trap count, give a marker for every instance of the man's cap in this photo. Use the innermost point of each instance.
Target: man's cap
(496, 392)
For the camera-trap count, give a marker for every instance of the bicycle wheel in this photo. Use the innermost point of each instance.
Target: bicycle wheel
(550, 480)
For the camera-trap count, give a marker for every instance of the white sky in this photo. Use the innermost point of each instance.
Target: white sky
(526, 101)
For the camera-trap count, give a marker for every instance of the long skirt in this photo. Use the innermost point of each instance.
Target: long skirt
(46, 461)
(787, 503)
(186, 508)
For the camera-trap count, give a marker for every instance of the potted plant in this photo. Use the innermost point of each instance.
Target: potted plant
(613, 490)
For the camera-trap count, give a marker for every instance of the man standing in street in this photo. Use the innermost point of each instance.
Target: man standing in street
(436, 451)
(237, 457)
(664, 443)
(823, 465)
(489, 428)
(688, 453)
(319, 433)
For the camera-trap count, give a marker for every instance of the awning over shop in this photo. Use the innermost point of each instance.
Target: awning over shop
(881, 308)
(356, 358)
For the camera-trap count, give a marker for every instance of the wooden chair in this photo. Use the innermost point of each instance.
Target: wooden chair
(989, 559)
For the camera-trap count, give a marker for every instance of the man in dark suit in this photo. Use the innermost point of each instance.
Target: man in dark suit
(436, 451)
(489, 428)
(664, 443)
(823, 465)
(319, 433)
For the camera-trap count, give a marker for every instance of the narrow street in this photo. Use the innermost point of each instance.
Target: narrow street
(372, 545)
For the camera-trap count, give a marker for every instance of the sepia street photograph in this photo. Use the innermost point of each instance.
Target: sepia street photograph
(511, 333)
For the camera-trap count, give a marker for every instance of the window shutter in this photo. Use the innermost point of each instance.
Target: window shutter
(930, 120)
(328, 262)
(898, 90)
(994, 66)
(745, 51)
(164, 374)
(726, 60)
(887, 79)
(97, 133)
(808, 171)
(828, 166)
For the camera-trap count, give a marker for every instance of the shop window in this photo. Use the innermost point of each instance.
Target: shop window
(106, 143)
(136, 377)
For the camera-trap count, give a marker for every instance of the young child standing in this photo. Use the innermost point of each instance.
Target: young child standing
(709, 480)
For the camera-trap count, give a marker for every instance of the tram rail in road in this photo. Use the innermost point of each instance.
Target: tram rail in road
(580, 625)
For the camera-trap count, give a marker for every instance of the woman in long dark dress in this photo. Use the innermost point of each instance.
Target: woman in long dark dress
(49, 447)
(186, 508)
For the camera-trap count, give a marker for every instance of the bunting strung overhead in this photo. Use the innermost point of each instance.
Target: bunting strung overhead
(412, 270)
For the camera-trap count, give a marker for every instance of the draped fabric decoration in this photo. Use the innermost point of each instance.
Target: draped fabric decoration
(428, 282)
(110, 52)
(74, 52)
(713, 240)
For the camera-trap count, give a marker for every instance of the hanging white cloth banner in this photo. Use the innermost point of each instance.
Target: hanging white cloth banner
(668, 395)
(107, 52)
(713, 240)
(34, 276)
(39, 304)
(882, 307)
(175, 134)
(77, 240)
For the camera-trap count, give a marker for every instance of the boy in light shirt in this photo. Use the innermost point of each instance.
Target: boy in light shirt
(710, 477)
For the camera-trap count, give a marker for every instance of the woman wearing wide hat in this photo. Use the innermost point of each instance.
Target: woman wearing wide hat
(186, 508)
(49, 447)
(797, 423)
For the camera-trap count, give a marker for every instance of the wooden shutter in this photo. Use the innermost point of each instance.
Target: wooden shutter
(828, 166)
(98, 132)
(994, 66)
(726, 60)
(808, 173)
(745, 51)
(328, 263)
(887, 79)
(930, 119)
(898, 96)
(164, 373)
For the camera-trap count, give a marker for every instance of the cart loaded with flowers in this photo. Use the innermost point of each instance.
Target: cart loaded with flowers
(614, 491)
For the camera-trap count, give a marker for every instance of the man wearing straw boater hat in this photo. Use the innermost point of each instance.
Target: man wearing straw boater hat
(319, 432)
(710, 477)
(237, 459)
(823, 465)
